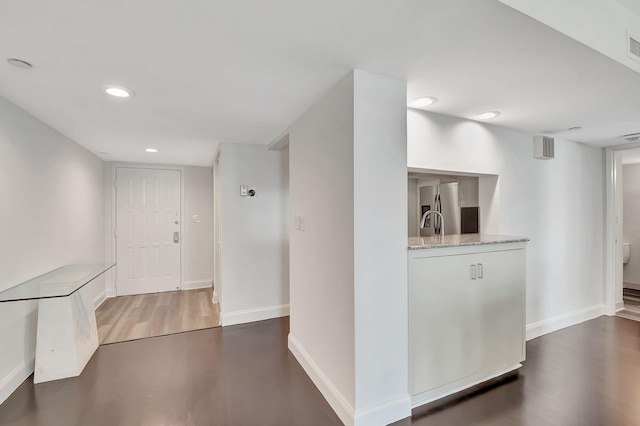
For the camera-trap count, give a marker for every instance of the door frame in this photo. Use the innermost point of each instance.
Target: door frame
(217, 229)
(612, 256)
(111, 292)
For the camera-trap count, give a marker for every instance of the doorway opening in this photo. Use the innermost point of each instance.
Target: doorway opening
(625, 270)
(151, 295)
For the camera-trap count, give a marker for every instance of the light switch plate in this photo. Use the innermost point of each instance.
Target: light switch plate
(244, 190)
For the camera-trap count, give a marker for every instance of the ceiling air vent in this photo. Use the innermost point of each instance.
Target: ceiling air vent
(632, 137)
(633, 47)
(543, 147)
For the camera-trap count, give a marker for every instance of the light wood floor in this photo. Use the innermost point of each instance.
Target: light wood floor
(631, 311)
(631, 306)
(147, 315)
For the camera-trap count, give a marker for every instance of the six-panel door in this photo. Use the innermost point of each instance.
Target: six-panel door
(148, 230)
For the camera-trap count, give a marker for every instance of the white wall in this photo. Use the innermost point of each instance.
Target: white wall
(254, 233)
(51, 214)
(557, 203)
(322, 268)
(631, 220)
(349, 266)
(380, 249)
(197, 238)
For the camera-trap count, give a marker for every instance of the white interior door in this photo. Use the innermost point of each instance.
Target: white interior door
(148, 235)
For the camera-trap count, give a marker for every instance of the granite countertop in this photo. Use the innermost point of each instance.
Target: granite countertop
(456, 240)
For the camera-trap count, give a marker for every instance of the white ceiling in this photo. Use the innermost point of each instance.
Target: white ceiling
(632, 5)
(242, 71)
(630, 156)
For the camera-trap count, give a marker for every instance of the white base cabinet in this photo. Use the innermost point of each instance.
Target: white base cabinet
(466, 316)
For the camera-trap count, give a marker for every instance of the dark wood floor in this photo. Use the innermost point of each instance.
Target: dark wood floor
(239, 375)
(584, 375)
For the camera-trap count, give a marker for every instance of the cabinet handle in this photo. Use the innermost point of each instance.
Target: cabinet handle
(480, 275)
(473, 272)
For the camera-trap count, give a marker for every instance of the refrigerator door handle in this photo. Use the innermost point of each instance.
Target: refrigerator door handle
(435, 216)
(437, 203)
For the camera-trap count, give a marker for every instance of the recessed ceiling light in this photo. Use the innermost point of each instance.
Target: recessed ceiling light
(20, 63)
(488, 115)
(423, 102)
(119, 92)
(151, 149)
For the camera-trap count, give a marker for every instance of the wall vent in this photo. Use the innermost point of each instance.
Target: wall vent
(632, 137)
(633, 47)
(543, 147)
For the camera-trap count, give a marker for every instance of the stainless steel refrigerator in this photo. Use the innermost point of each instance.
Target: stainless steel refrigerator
(444, 199)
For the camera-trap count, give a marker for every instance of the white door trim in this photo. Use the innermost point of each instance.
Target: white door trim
(611, 254)
(217, 227)
(114, 166)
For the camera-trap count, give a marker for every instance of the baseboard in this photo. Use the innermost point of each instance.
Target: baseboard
(619, 306)
(192, 285)
(251, 315)
(476, 383)
(111, 292)
(565, 320)
(336, 400)
(14, 379)
(633, 286)
(386, 412)
(99, 299)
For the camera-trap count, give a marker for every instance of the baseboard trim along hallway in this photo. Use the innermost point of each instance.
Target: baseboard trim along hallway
(336, 400)
(14, 379)
(193, 285)
(385, 412)
(251, 315)
(565, 320)
(99, 299)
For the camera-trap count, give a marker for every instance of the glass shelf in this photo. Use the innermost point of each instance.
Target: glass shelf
(60, 282)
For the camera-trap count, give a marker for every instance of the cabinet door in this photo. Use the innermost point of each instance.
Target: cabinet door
(501, 305)
(444, 310)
